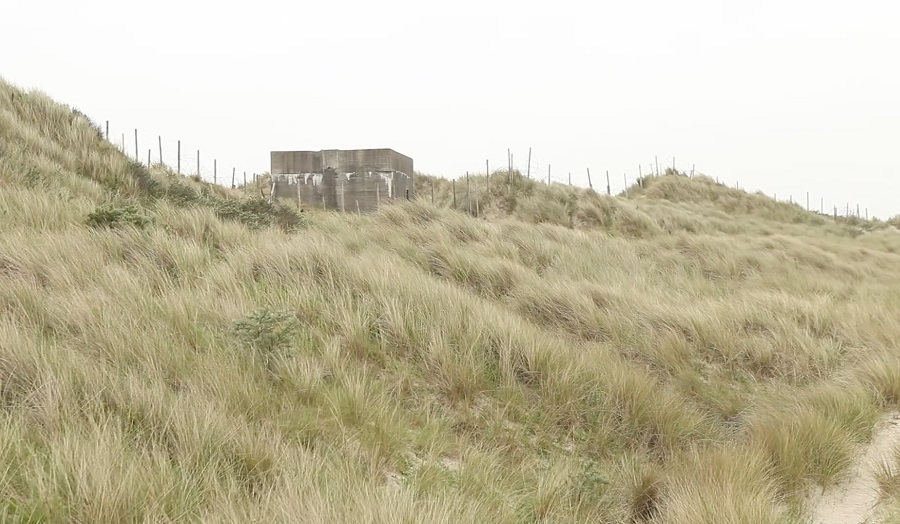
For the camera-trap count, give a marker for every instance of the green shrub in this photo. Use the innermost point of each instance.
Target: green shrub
(182, 194)
(259, 213)
(111, 216)
(255, 212)
(251, 212)
(267, 332)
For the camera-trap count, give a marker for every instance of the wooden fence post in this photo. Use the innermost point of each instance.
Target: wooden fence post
(468, 200)
(548, 174)
(477, 207)
(232, 177)
(590, 184)
(137, 156)
(107, 130)
(160, 149)
(148, 157)
(608, 188)
(528, 169)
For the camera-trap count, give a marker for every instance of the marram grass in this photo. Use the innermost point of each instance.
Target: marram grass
(171, 352)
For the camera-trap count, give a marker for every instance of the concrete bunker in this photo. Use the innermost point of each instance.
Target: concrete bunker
(359, 180)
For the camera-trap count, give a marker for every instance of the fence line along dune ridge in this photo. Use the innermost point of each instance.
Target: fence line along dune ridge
(174, 351)
(306, 193)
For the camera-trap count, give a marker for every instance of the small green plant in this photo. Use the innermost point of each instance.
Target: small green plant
(258, 213)
(182, 194)
(591, 484)
(110, 216)
(267, 332)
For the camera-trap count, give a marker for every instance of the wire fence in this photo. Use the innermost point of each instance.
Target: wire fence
(152, 150)
(618, 183)
(601, 180)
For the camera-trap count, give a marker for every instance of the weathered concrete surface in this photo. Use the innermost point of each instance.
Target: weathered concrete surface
(352, 181)
(295, 162)
(343, 161)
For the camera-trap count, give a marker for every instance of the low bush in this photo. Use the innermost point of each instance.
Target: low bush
(111, 216)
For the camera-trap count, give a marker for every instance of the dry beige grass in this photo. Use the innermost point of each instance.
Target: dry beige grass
(887, 477)
(691, 355)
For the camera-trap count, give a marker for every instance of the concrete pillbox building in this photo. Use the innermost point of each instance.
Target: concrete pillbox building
(359, 180)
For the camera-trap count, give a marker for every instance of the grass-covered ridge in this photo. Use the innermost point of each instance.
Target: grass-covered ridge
(169, 353)
(656, 205)
(48, 147)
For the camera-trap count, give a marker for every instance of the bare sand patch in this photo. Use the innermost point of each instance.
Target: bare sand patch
(856, 500)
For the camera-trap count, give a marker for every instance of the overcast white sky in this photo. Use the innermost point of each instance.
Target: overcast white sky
(783, 96)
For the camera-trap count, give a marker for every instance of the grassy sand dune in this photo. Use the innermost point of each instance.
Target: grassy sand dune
(175, 352)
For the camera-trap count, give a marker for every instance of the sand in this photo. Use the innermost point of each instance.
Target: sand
(856, 500)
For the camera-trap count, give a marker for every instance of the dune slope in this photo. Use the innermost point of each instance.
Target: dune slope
(174, 352)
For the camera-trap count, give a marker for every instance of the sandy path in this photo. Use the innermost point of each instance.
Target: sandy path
(855, 501)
